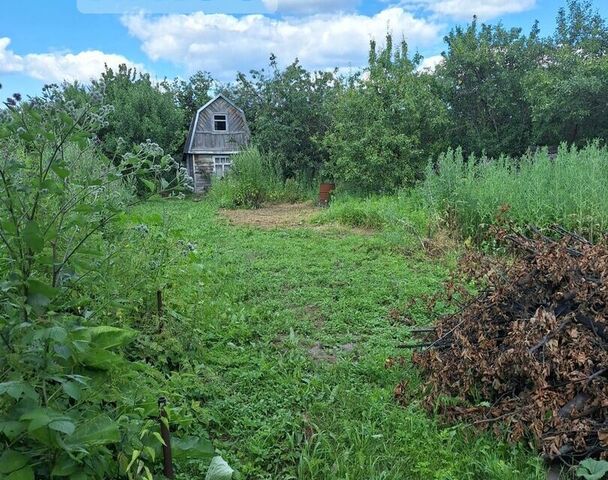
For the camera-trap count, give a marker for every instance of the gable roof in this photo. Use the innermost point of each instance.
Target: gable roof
(217, 97)
(194, 121)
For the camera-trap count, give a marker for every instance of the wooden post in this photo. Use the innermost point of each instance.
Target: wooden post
(159, 302)
(166, 436)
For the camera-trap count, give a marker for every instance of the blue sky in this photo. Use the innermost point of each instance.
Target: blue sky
(47, 41)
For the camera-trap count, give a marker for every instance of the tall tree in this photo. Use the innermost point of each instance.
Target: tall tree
(192, 94)
(568, 91)
(287, 111)
(142, 111)
(482, 83)
(386, 123)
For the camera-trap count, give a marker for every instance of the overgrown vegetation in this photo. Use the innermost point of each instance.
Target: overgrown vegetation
(496, 91)
(280, 343)
(403, 217)
(254, 179)
(298, 371)
(536, 190)
(382, 124)
(78, 387)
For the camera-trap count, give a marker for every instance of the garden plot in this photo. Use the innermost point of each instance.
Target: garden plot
(273, 216)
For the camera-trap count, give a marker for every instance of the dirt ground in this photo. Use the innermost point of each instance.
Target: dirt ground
(273, 216)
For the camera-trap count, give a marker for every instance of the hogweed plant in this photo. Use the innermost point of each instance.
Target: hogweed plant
(65, 405)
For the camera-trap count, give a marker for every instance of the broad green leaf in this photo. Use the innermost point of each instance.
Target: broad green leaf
(64, 466)
(33, 237)
(100, 431)
(9, 227)
(72, 390)
(12, 428)
(27, 136)
(18, 389)
(62, 351)
(150, 185)
(24, 474)
(40, 293)
(134, 456)
(57, 333)
(63, 425)
(151, 453)
(108, 337)
(39, 417)
(192, 448)
(61, 172)
(219, 470)
(159, 438)
(10, 460)
(591, 469)
(100, 358)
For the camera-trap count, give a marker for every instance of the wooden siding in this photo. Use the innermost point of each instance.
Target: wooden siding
(218, 143)
(205, 140)
(203, 170)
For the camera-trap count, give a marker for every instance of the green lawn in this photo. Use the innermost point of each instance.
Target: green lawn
(290, 332)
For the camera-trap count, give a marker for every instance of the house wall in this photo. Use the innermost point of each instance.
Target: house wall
(234, 139)
(203, 170)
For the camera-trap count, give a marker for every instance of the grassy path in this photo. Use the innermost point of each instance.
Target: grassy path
(294, 329)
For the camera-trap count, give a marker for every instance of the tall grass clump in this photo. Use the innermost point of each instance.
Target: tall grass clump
(404, 212)
(568, 190)
(254, 179)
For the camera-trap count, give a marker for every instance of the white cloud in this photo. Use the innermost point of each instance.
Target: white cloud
(9, 62)
(223, 44)
(465, 9)
(429, 64)
(309, 6)
(56, 67)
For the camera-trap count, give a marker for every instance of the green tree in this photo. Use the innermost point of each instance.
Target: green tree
(287, 112)
(482, 80)
(192, 94)
(141, 112)
(568, 91)
(385, 123)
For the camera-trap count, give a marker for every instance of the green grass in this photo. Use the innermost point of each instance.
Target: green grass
(568, 190)
(259, 300)
(253, 180)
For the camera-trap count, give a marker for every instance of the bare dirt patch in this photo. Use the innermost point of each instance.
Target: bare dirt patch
(273, 216)
(323, 353)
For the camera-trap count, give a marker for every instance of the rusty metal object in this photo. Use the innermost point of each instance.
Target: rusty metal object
(325, 191)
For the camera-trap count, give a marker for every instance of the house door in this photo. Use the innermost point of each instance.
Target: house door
(221, 165)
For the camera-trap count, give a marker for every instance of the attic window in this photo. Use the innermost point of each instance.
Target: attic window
(220, 124)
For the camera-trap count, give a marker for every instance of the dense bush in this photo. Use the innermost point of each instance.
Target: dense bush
(384, 125)
(537, 190)
(73, 401)
(254, 179)
(288, 112)
(140, 112)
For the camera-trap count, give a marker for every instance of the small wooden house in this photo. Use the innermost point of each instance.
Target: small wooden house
(217, 132)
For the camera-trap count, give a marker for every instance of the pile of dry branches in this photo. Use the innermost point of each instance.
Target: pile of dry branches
(529, 355)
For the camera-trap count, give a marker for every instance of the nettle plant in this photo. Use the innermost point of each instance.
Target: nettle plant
(70, 403)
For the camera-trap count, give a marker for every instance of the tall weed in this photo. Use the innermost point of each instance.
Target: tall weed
(253, 180)
(475, 193)
(403, 219)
